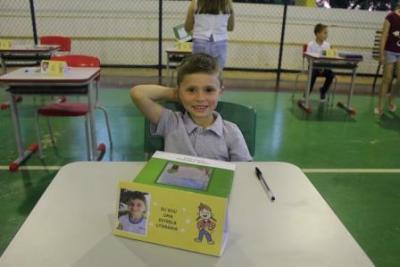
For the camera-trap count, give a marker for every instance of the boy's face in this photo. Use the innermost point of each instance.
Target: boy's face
(136, 208)
(199, 93)
(322, 35)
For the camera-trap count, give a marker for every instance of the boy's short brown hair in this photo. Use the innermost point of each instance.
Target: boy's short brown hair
(198, 63)
(137, 195)
(319, 28)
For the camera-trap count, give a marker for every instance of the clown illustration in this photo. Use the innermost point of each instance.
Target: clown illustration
(205, 224)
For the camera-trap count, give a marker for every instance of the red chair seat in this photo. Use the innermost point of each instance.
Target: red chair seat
(64, 109)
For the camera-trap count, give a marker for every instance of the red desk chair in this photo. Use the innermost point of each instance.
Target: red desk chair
(62, 41)
(73, 109)
(304, 70)
(65, 48)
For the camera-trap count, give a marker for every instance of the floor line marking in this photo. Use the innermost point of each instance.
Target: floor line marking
(306, 170)
(351, 170)
(34, 168)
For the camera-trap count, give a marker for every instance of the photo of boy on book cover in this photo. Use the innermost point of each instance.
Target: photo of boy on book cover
(133, 211)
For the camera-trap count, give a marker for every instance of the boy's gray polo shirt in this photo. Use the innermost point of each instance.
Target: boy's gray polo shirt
(223, 140)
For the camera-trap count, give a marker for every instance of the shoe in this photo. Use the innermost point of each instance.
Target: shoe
(392, 107)
(378, 111)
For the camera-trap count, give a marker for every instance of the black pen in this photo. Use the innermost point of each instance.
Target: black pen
(260, 177)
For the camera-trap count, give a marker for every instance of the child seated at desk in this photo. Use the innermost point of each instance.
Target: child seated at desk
(200, 130)
(317, 46)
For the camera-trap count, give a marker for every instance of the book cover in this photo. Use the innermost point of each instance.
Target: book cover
(179, 201)
(5, 44)
(53, 67)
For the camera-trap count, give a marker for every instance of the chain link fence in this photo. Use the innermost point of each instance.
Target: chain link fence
(126, 32)
(348, 30)
(15, 21)
(120, 32)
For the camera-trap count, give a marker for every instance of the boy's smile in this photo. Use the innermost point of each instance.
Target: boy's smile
(199, 95)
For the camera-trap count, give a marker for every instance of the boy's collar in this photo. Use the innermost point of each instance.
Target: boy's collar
(135, 222)
(216, 127)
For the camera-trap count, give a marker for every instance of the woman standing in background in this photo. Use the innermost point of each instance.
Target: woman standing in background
(210, 21)
(389, 56)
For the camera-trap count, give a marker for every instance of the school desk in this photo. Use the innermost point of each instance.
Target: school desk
(72, 222)
(321, 62)
(26, 53)
(29, 81)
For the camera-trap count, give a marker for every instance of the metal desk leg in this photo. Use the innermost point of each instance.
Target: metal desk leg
(3, 66)
(168, 71)
(22, 154)
(306, 103)
(6, 104)
(96, 152)
(347, 107)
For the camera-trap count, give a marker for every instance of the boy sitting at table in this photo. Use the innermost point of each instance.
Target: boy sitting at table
(317, 46)
(200, 130)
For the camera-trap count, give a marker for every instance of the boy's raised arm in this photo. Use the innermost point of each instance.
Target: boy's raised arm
(145, 98)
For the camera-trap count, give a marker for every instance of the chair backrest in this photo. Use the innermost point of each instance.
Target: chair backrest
(78, 60)
(62, 41)
(304, 47)
(243, 116)
(376, 47)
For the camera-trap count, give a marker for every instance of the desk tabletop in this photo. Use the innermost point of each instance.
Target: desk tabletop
(72, 222)
(27, 76)
(335, 58)
(30, 49)
(175, 50)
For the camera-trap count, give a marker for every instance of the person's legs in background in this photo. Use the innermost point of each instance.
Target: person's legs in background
(314, 75)
(329, 75)
(201, 46)
(394, 92)
(214, 49)
(386, 80)
(218, 50)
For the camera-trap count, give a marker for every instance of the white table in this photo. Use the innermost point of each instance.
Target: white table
(317, 61)
(26, 53)
(29, 81)
(72, 222)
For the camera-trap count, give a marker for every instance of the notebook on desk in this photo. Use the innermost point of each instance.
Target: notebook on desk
(181, 34)
(350, 55)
